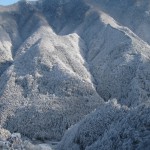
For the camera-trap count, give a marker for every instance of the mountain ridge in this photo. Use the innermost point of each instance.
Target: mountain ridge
(60, 62)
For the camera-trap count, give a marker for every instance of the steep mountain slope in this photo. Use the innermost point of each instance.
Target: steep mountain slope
(110, 127)
(119, 62)
(134, 14)
(48, 87)
(58, 58)
(117, 58)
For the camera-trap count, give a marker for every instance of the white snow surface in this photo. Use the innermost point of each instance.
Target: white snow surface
(60, 60)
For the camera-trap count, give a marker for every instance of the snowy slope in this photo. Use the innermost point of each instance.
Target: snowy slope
(62, 59)
(117, 58)
(134, 14)
(118, 63)
(48, 87)
(110, 127)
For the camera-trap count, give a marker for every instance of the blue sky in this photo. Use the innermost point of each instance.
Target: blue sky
(7, 2)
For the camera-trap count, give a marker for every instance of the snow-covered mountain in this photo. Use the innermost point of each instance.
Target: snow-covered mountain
(48, 85)
(135, 14)
(61, 59)
(110, 127)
